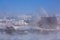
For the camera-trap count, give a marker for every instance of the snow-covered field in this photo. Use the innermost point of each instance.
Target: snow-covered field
(30, 36)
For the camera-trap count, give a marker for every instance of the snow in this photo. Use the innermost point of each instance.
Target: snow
(30, 36)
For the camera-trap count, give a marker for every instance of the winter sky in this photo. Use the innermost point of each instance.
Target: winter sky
(16, 7)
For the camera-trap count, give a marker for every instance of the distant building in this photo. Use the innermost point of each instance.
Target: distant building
(48, 22)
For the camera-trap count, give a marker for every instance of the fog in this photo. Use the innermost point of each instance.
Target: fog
(30, 27)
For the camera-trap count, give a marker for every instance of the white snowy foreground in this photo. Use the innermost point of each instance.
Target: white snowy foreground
(30, 36)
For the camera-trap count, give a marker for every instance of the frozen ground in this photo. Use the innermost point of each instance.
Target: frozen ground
(30, 36)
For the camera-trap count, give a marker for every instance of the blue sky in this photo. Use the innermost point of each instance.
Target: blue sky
(14, 7)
